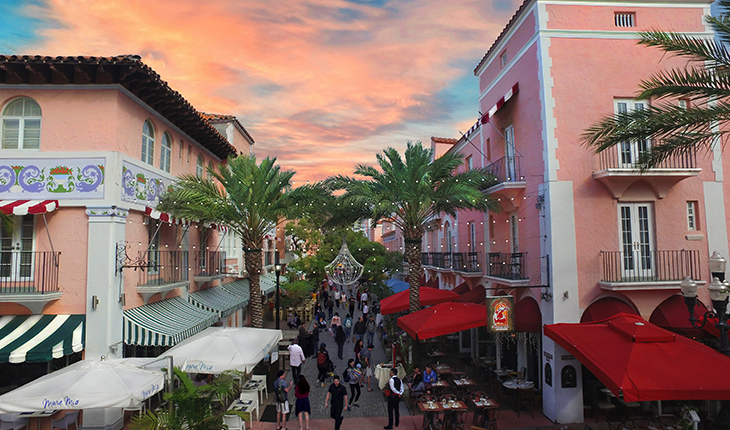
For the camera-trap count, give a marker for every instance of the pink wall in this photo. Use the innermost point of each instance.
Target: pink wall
(519, 39)
(601, 18)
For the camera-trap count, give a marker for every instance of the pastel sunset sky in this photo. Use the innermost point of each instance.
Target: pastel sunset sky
(320, 84)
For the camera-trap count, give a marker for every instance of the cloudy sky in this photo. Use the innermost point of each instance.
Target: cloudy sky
(320, 84)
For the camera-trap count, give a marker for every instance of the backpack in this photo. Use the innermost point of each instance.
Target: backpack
(281, 394)
(348, 322)
(321, 358)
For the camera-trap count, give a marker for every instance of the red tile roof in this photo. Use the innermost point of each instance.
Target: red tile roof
(129, 72)
(447, 140)
(501, 36)
(215, 118)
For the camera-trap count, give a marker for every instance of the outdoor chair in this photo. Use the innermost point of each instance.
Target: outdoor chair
(503, 397)
(64, 421)
(475, 396)
(234, 422)
(12, 422)
(525, 397)
(254, 396)
(262, 379)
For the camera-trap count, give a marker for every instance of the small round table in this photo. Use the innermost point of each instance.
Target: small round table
(382, 373)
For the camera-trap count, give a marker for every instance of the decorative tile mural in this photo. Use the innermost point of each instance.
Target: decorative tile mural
(140, 185)
(52, 178)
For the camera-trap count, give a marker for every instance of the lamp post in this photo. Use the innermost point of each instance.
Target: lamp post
(277, 268)
(719, 291)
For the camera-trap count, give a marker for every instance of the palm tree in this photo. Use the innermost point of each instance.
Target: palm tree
(677, 130)
(251, 199)
(412, 192)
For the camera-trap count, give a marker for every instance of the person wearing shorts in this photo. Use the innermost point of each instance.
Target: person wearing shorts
(282, 406)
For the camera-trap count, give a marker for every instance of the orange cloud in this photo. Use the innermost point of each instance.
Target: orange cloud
(321, 84)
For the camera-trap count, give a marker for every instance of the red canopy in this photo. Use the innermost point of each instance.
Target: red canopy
(433, 283)
(477, 295)
(443, 318)
(672, 315)
(461, 288)
(645, 362)
(606, 308)
(528, 317)
(428, 296)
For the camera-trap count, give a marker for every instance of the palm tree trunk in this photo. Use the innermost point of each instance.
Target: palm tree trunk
(413, 256)
(253, 265)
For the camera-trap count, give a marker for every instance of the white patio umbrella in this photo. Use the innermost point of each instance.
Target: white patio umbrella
(83, 385)
(217, 349)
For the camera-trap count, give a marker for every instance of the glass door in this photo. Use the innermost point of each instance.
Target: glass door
(637, 240)
(510, 166)
(629, 152)
(16, 250)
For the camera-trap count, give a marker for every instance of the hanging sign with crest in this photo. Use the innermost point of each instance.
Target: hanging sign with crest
(500, 314)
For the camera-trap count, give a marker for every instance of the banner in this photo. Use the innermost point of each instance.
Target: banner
(500, 314)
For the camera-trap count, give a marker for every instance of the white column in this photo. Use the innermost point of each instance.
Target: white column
(104, 285)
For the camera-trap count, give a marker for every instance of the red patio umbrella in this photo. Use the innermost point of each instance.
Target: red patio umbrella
(477, 295)
(645, 362)
(461, 288)
(428, 296)
(443, 318)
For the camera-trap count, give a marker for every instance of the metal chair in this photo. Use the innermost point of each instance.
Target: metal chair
(64, 421)
(12, 422)
(525, 397)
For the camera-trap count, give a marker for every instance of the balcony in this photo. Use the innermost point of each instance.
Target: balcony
(29, 278)
(210, 265)
(465, 262)
(165, 271)
(618, 171)
(508, 267)
(510, 181)
(648, 270)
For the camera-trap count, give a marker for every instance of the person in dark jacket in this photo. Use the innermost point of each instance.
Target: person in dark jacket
(359, 330)
(313, 341)
(340, 338)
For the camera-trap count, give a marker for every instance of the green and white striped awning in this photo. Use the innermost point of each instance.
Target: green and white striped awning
(239, 288)
(268, 283)
(218, 300)
(165, 323)
(40, 338)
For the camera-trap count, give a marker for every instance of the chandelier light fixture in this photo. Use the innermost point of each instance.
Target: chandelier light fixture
(344, 269)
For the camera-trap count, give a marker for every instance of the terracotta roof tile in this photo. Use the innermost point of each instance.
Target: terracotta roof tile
(126, 70)
(214, 118)
(446, 140)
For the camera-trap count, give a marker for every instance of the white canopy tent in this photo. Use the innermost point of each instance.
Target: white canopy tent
(85, 385)
(217, 349)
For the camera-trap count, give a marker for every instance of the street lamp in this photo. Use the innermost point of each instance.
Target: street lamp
(719, 291)
(277, 268)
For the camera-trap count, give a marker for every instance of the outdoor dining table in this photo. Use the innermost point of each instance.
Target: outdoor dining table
(512, 384)
(439, 386)
(244, 406)
(464, 383)
(37, 417)
(436, 354)
(443, 369)
(382, 373)
(254, 385)
(432, 409)
(487, 409)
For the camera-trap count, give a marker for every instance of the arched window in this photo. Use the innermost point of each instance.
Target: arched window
(148, 143)
(21, 124)
(210, 169)
(199, 166)
(165, 152)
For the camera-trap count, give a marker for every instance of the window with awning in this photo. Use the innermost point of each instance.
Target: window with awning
(165, 323)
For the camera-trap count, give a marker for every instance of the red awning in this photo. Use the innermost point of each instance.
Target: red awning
(645, 362)
(477, 295)
(432, 283)
(461, 288)
(672, 315)
(164, 217)
(25, 207)
(497, 106)
(428, 296)
(606, 308)
(443, 318)
(528, 317)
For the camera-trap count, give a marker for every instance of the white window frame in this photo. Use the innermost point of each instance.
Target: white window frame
(21, 144)
(180, 153)
(629, 152)
(165, 152)
(148, 143)
(199, 169)
(503, 58)
(692, 216)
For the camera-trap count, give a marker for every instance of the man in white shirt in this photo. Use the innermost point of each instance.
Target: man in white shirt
(338, 296)
(363, 299)
(296, 359)
(396, 391)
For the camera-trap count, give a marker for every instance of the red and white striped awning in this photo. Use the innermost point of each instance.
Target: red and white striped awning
(164, 217)
(512, 91)
(219, 227)
(25, 207)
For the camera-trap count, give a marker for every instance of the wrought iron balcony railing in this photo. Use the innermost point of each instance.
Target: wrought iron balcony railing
(458, 261)
(210, 263)
(29, 272)
(626, 156)
(506, 265)
(164, 267)
(507, 169)
(650, 266)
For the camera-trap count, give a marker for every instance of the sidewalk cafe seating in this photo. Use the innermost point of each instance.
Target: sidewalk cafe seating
(526, 397)
(12, 422)
(71, 417)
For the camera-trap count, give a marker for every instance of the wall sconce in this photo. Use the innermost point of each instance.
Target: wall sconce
(94, 302)
(123, 299)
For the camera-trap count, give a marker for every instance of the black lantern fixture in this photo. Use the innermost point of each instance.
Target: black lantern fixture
(277, 269)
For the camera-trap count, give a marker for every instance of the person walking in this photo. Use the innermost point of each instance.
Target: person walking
(370, 326)
(338, 296)
(365, 311)
(330, 307)
(353, 377)
(314, 340)
(336, 320)
(348, 326)
(363, 298)
(340, 338)
(281, 388)
(302, 407)
(296, 359)
(359, 330)
(338, 393)
(366, 358)
(323, 360)
(351, 303)
(396, 391)
(358, 347)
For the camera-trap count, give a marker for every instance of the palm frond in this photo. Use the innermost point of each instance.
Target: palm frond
(696, 49)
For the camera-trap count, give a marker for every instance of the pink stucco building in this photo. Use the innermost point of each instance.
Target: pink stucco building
(579, 235)
(89, 144)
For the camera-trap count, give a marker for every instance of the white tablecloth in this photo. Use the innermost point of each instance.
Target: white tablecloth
(383, 374)
(513, 385)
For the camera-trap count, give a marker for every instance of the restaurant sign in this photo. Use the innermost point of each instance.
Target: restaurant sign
(500, 314)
